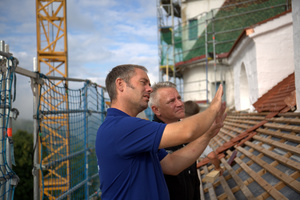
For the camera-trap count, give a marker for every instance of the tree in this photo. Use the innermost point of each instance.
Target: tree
(23, 150)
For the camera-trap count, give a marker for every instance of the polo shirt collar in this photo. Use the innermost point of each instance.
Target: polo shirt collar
(115, 112)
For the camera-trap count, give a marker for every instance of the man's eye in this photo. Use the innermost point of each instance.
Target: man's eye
(172, 101)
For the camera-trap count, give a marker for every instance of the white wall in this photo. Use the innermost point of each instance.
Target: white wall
(267, 57)
(274, 51)
(296, 37)
(194, 83)
(244, 56)
(194, 77)
(244, 89)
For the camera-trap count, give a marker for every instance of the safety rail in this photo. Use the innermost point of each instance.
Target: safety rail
(64, 134)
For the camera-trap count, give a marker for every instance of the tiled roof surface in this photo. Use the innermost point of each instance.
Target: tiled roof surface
(260, 151)
(267, 162)
(278, 97)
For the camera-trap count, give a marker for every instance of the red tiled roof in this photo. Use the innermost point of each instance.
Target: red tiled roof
(280, 97)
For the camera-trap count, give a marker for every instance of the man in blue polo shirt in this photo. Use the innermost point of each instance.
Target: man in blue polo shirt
(130, 151)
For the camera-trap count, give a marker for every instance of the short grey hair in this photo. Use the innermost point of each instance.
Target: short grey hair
(156, 87)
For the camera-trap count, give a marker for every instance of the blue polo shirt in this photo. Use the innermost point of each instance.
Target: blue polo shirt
(129, 159)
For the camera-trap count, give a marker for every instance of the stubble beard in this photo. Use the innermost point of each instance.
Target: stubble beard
(142, 106)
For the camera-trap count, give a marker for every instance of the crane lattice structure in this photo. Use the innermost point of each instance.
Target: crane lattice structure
(52, 55)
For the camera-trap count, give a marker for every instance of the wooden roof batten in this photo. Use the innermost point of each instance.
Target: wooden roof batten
(260, 151)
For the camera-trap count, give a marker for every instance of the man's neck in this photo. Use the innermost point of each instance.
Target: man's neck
(130, 111)
(156, 119)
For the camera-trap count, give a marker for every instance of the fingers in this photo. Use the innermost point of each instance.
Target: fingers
(216, 102)
(223, 106)
(219, 91)
(216, 132)
(218, 95)
(224, 116)
(221, 116)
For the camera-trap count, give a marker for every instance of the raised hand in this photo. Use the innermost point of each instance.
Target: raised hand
(218, 123)
(221, 114)
(216, 102)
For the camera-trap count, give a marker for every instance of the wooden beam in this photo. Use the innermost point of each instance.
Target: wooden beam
(248, 194)
(211, 176)
(282, 159)
(226, 188)
(283, 127)
(280, 145)
(264, 184)
(294, 184)
(290, 137)
(211, 190)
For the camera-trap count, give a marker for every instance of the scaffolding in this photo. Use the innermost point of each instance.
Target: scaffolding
(168, 16)
(206, 38)
(65, 163)
(52, 60)
(8, 178)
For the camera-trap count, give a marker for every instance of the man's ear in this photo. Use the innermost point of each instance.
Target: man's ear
(155, 110)
(120, 84)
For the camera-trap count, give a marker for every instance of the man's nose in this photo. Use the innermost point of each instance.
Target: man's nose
(149, 89)
(179, 102)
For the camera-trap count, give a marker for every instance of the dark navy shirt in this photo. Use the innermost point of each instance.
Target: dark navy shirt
(186, 185)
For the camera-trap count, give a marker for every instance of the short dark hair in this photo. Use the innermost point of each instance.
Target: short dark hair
(191, 108)
(125, 72)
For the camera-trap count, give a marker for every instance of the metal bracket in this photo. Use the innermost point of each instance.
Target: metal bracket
(14, 113)
(15, 180)
(40, 116)
(3, 69)
(36, 168)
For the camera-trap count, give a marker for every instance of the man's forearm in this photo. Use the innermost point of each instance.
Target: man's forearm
(186, 156)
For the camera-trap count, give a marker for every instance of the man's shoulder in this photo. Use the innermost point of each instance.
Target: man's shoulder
(115, 120)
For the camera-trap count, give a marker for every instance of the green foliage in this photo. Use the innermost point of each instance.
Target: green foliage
(23, 148)
(22, 124)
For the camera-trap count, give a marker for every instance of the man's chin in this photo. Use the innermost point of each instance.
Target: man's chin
(180, 115)
(144, 106)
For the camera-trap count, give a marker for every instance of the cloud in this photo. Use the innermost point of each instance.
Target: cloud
(101, 35)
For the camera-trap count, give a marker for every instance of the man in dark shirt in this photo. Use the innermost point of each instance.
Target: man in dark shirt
(168, 108)
(184, 186)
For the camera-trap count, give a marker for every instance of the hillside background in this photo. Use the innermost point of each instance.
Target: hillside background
(22, 125)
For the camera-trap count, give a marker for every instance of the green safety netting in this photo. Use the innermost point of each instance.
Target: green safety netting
(225, 24)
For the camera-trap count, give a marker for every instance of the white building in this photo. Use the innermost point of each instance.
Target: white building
(261, 57)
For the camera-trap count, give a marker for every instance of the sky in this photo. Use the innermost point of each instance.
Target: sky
(101, 34)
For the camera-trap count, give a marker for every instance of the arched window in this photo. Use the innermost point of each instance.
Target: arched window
(244, 89)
